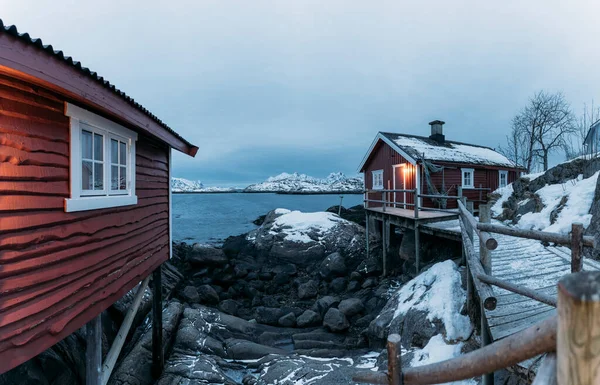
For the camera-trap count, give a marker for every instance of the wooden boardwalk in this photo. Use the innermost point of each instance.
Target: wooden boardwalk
(425, 216)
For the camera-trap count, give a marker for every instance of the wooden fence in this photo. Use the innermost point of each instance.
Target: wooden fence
(569, 338)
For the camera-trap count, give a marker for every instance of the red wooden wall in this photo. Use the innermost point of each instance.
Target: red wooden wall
(59, 270)
(383, 157)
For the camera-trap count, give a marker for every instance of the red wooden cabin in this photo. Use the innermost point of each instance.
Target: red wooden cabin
(84, 195)
(436, 165)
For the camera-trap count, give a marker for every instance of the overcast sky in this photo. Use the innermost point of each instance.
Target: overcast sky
(263, 87)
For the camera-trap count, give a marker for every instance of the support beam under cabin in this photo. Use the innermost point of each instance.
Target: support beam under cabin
(385, 244)
(158, 361)
(93, 351)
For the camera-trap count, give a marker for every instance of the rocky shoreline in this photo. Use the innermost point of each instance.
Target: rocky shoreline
(296, 301)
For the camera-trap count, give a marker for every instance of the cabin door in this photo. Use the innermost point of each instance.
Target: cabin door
(399, 184)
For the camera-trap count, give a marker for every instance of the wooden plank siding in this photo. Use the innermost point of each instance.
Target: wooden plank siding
(59, 270)
(383, 157)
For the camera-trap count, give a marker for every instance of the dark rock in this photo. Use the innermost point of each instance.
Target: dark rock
(288, 320)
(208, 295)
(556, 211)
(356, 276)
(281, 278)
(308, 290)
(364, 322)
(265, 276)
(351, 306)
(354, 214)
(260, 220)
(333, 266)
(335, 321)
(246, 350)
(308, 318)
(369, 282)
(292, 309)
(229, 306)
(325, 303)
(258, 285)
(190, 294)
(252, 276)
(256, 301)
(240, 271)
(594, 228)
(353, 286)
(268, 315)
(371, 266)
(202, 255)
(270, 301)
(288, 268)
(338, 285)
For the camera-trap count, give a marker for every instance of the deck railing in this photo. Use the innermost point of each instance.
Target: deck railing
(578, 302)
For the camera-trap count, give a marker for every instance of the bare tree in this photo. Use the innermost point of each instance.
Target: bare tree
(519, 144)
(542, 127)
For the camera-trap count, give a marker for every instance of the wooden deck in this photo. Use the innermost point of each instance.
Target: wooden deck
(424, 216)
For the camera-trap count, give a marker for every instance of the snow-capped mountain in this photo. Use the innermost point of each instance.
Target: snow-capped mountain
(181, 185)
(302, 183)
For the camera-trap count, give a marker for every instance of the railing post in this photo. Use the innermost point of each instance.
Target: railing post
(485, 255)
(394, 359)
(416, 206)
(578, 358)
(576, 247)
(366, 199)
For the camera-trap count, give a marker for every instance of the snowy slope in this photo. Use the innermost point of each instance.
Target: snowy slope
(302, 183)
(181, 185)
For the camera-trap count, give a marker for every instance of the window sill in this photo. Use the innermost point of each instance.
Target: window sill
(95, 203)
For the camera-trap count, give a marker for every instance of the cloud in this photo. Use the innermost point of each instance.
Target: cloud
(282, 84)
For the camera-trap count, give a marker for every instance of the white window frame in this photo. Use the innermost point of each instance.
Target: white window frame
(81, 200)
(500, 173)
(377, 179)
(463, 171)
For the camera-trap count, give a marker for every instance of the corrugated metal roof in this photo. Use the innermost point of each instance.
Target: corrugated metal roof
(12, 30)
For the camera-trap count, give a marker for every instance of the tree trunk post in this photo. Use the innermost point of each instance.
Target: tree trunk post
(157, 331)
(485, 255)
(394, 359)
(93, 351)
(576, 247)
(486, 379)
(578, 357)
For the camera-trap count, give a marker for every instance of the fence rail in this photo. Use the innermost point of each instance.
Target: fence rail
(579, 298)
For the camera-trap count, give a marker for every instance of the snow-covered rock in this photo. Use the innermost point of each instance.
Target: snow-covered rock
(302, 183)
(181, 185)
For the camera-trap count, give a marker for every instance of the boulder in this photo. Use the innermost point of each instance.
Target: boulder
(338, 285)
(288, 320)
(268, 315)
(229, 306)
(203, 255)
(309, 289)
(239, 349)
(208, 295)
(325, 303)
(332, 266)
(335, 321)
(190, 294)
(308, 318)
(351, 306)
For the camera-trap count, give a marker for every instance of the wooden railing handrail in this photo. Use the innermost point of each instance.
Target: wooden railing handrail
(543, 236)
(537, 339)
(414, 191)
(530, 293)
(431, 196)
(485, 238)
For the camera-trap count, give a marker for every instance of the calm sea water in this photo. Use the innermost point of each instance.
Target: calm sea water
(210, 218)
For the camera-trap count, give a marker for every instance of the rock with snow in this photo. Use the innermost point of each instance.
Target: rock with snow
(430, 304)
(306, 238)
(301, 183)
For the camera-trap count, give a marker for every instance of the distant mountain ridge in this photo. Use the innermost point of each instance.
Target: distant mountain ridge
(302, 183)
(294, 183)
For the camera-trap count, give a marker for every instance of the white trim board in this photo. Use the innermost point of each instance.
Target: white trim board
(393, 145)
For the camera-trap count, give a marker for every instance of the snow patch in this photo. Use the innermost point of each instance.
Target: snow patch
(505, 193)
(438, 350)
(438, 292)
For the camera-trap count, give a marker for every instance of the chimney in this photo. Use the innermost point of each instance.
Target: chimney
(437, 131)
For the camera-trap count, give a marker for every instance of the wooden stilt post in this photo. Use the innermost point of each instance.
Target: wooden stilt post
(485, 255)
(157, 346)
(367, 231)
(576, 247)
(394, 360)
(417, 248)
(486, 379)
(93, 351)
(384, 245)
(578, 356)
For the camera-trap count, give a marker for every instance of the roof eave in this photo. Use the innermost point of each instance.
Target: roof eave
(32, 62)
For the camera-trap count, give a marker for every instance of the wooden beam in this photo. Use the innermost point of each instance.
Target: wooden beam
(158, 361)
(384, 244)
(417, 248)
(115, 349)
(93, 351)
(394, 359)
(485, 254)
(576, 247)
(578, 356)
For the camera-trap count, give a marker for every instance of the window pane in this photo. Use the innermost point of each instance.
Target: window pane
(114, 151)
(86, 144)
(123, 157)
(123, 179)
(98, 176)
(98, 147)
(114, 177)
(86, 175)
